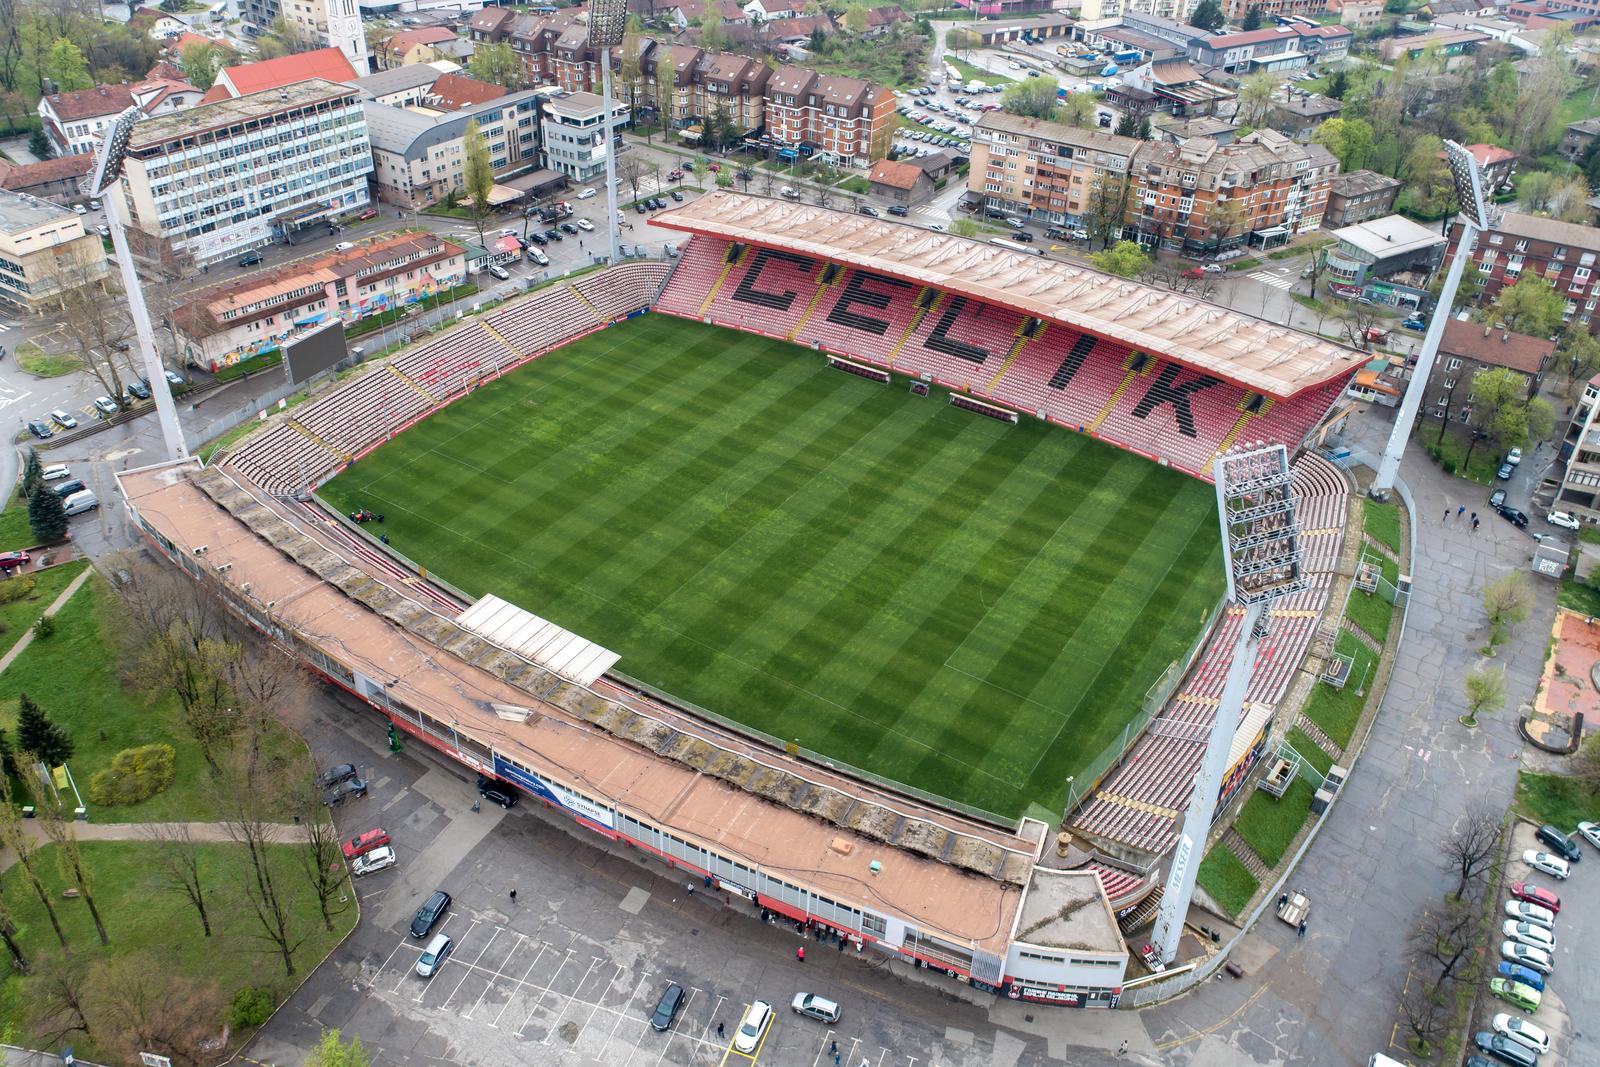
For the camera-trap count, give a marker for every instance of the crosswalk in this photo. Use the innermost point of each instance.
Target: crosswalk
(1277, 281)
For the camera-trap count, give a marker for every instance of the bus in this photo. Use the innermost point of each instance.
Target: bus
(1016, 246)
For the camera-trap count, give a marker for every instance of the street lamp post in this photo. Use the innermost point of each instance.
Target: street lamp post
(607, 19)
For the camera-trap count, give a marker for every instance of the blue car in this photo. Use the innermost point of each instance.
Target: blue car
(1417, 324)
(1518, 973)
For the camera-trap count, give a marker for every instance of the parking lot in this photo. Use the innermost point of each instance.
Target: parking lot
(570, 970)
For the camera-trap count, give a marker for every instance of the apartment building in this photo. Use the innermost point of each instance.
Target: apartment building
(419, 152)
(845, 120)
(334, 23)
(73, 122)
(1287, 47)
(1563, 253)
(1469, 348)
(1201, 198)
(574, 134)
(235, 174)
(1359, 195)
(44, 249)
(1579, 492)
(264, 310)
(1044, 170)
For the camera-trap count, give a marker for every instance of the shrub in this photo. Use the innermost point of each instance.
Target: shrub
(44, 626)
(251, 1006)
(17, 588)
(135, 774)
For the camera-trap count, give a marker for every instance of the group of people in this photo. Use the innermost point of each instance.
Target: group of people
(1459, 512)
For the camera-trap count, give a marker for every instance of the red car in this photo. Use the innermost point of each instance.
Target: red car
(1194, 272)
(366, 842)
(675, 175)
(370, 213)
(714, 167)
(1535, 895)
(14, 560)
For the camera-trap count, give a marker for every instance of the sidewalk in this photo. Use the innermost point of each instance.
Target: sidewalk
(200, 832)
(55, 605)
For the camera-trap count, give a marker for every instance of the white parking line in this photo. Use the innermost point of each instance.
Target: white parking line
(693, 992)
(371, 984)
(470, 967)
(705, 1034)
(429, 983)
(590, 1019)
(518, 988)
(543, 990)
(570, 998)
(490, 985)
(621, 1015)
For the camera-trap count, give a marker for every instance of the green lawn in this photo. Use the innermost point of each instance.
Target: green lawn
(972, 73)
(41, 364)
(73, 675)
(1370, 612)
(1302, 743)
(1225, 878)
(1382, 523)
(1556, 798)
(17, 615)
(14, 531)
(1338, 710)
(1577, 596)
(967, 606)
(1268, 824)
(156, 924)
(1452, 452)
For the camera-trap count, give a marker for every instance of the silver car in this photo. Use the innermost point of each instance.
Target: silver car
(376, 860)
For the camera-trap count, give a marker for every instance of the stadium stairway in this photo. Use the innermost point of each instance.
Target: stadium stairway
(1136, 401)
(1138, 805)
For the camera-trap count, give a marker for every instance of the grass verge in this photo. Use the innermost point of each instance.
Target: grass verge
(1556, 798)
(41, 364)
(15, 532)
(19, 614)
(158, 928)
(1269, 824)
(1370, 612)
(250, 366)
(1452, 452)
(1301, 742)
(1337, 711)
(1576, 596)
(1382, 523)
(971, 73)
(1226, 880)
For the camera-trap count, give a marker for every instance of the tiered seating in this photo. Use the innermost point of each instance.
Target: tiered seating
(446, 364)
(1140, 802)
(543, 321)
(283, 459)
(1117, 882)
(1136, 401)
(625, 288)
(362, 411)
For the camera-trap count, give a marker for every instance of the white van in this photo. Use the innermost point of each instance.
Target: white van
(78, 503)
(57, 472)
(433, 958)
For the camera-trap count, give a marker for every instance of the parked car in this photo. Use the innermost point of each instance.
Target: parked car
(899, 211)
(812, 1006)
(1497, 498)
(67, 488)
(585, 225)
(368, 213)
(1522, 911)
(1559, 843)
(1564, 520)
(350, 787)
(1535, 894)
(106, 406)
(250, 259)
(676, 196)
(641, 208)
(376, 860)
(11, 561)
(139, 390)
(80, 502)
(1525, 997)
(174, 379)
(1516, 972)
(1528, 934)
(497, 271)
(365, 841)
(1213, 268)
(430, 913)
(1527, 955)
(434, 955)
(1194, 272)
(497, 792)
(1589, 831)
(536, 256)
(344, 246)
(1505, 472)
(1414, 323)
(670, 249)
(1516, 518)
(589, 194)
(667, 1007)
(752, 1027)
(340, 772)
(63, 420)
(1514, 456)
(40, 429)
(1554, 866)
(56, 472)
(1504, 1049)
(569, 229)
(1521, 1031)
(868, 210)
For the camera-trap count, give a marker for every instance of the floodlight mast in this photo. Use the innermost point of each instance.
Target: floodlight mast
(1474, 218)
(1261, 540)
(102, 183)
(607, 20)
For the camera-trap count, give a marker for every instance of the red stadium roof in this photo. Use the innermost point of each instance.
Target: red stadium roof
(1210, 338)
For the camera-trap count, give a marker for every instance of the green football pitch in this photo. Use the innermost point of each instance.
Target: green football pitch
(972, 608)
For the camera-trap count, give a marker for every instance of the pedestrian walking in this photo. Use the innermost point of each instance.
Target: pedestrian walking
(1447, 513)
(1461, 511)
(477, 806)
(800, 953)
(1302, 928)
(1122, 1049)
(833, 1047)
(691, 889)
(1474, 516)
(1283, 900)
(721, 1032)
(1474, 525)
(836, 1059)
(513, 896)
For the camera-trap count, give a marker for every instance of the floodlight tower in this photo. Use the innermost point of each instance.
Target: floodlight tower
(101, 183)
(1261, 536)
(607, 19)
(1469, 194)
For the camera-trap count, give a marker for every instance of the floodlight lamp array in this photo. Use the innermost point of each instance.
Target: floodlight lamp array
(607, 21)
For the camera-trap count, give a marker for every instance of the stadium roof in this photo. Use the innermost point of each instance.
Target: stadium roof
(1215, 340)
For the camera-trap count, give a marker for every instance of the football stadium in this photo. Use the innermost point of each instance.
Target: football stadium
(890, 532)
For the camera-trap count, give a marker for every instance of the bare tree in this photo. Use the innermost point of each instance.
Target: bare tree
(58, 1000)
(1469, 850)
(1425, 1009)
(247, 797)
(630, 172)
(1445, 936)
(150, 1008)
(321, 856)
(177, 865)
(95, 322)
(8, 933)
(69, 859)
(26, 850)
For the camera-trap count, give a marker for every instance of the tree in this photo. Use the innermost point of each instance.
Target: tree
(1349, 139)
(66, 68)
(1506, 601)
(1503, 413)
(145, 1004)
(332, 1051)
(202, 61)
(1252, 19)
(284, 38)
(1033, 98)
(37, 734)
(496, 64)
(713, 38)
(961, 39)
(1076, 109)
(177, 866)
(58, 1001)
(855, 19)
(1107, 207)
(1426, 1010)
(245, 798)
(1445, 936)
(1532, 306)
(964, 227)
(93, 319)
(1133, 125)
(32, 473)
(1470, 849)
(1207, 15)
(320, 854)
(47, 517)
(40, 146)
(1125, 259)
(8, 933)
(1225, 219)
(1577, 357)
(26, 850)
(1485, 690)
(69, 858)
(478, 172)
(1255, 97)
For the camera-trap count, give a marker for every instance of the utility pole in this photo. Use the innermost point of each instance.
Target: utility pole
(607, 20)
